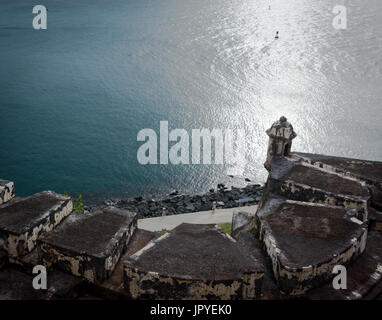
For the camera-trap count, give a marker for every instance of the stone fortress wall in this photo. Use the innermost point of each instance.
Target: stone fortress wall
(316, 212)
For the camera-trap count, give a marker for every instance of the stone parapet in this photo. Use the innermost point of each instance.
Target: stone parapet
(7, 191)
(22, 222)
(306, 240)
(193, 262)
(302, 182)
(89, 247)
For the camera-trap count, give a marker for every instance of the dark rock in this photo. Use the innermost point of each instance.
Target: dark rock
(245, 200)
(178, 203)
(108, 202)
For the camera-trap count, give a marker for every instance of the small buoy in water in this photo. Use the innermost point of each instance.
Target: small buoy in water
(277, 35)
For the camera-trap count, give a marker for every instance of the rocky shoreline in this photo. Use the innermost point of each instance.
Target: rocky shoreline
(177, 203)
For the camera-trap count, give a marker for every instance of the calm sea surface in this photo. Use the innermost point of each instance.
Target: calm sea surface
(74, 97)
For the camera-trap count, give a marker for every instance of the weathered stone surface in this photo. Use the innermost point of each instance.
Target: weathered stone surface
(280, 135)
(3, 259)
(364, 276)
(113, 288)
(365, 170)
(23, 221)
(7, 190)
(26, 262)
(64, 286)
(89, 247)
(375, 218)
(375, 293)
(193, 262)
(16, 285)
(269, 289)
(302, 182)
(376, 196)
(242, 221)
(239, 220)
(305, 241)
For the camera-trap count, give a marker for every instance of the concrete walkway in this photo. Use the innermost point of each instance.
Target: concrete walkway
(201, 217)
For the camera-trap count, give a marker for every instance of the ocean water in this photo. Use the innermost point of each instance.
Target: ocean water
(74, 97)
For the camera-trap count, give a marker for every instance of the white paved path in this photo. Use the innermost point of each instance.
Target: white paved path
(201, 217)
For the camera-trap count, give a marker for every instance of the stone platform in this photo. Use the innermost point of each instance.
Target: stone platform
(193, 262)
(89, 247)
(7, 190)
(370, 171)
(306, 240)
(364, 276)
(23, 221)
(363, 170)
(315, 213)
(299, 181)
